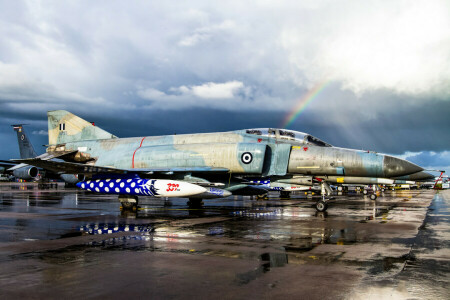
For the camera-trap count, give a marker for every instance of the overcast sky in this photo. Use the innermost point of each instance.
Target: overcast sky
(161, 67)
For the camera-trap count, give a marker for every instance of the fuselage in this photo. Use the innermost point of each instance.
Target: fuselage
(238, 151)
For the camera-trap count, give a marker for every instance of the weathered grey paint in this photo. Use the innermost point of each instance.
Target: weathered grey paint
(268, 156)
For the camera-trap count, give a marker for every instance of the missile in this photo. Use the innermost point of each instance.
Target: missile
(284, 185)
(142, 187)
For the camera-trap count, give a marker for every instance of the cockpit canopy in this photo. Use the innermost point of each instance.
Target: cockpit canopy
(291, 135)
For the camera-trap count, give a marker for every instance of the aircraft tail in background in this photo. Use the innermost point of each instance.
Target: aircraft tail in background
(25, 147)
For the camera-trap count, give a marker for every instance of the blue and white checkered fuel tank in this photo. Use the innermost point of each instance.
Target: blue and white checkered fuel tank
(142, 187)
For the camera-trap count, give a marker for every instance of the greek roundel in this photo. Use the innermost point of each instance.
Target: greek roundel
(246, 157)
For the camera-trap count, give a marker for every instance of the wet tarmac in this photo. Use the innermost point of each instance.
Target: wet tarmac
(57, 243)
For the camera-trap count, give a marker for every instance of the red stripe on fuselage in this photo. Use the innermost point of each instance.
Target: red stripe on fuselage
(132, 163)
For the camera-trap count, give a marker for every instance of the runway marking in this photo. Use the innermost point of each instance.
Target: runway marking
(137, 150)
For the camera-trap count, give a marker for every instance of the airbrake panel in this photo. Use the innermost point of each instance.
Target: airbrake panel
(276, 159)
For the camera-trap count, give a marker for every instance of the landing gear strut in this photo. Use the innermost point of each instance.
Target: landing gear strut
(374, 195)
(128, 202)
(322, 205)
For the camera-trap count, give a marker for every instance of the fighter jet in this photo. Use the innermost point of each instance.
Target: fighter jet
(200, 166)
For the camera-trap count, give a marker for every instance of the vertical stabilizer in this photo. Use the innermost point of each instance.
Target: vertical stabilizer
(25, 147)
(65, 127)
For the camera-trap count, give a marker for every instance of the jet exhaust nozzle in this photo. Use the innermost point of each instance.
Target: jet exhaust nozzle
(26, 173)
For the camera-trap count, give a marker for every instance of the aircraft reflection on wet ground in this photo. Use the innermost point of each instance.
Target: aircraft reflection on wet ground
(357, 245)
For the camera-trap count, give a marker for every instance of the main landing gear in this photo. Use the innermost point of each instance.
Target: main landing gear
(128, 202)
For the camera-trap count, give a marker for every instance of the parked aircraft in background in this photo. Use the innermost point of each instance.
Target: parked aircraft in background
(23, 171)
(202, 166)
(29, 172)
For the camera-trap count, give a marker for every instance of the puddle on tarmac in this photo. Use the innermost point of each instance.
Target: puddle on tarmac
(268, 261)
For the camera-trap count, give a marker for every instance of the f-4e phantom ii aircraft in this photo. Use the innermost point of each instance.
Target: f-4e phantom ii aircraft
(201, 166)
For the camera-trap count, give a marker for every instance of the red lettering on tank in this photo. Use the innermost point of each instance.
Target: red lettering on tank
(172, 187)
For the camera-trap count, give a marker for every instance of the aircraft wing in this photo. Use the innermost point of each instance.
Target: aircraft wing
(6, 164)
(17, 167)
(42, 157)
(77, 168)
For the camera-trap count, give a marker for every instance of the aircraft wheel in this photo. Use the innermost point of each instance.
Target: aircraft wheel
(321, 206)
(365, 192)
(373, 197)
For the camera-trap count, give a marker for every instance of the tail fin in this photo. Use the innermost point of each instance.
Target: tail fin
(65, 127)
(25, 147)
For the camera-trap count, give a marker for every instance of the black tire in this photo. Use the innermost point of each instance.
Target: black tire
(373, 197)
(321, 206)
(365, 192)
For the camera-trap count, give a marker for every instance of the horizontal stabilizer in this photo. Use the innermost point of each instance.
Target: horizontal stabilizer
(42, 157)
(17, 167)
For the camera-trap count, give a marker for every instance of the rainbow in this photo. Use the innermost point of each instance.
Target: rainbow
(303, 103)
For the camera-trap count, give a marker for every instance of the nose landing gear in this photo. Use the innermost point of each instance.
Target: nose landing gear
(322, 205)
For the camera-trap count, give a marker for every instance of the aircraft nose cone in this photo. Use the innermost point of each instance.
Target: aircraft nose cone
(394, 167)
